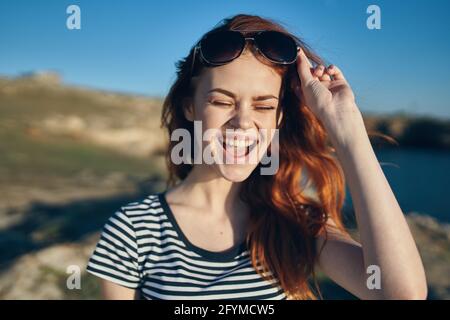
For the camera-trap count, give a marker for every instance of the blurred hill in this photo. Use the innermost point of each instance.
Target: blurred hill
(423, 132)
(53, 135)
(72, 155)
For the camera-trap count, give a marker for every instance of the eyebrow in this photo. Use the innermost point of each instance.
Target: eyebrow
(232, 95)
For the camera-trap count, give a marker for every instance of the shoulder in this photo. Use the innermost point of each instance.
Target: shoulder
(131, 215)
(126, 236)
(148, 207)
(150, 203)
(136, 222)
(145, 217)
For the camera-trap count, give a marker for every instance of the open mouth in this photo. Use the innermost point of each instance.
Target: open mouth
(238, 147)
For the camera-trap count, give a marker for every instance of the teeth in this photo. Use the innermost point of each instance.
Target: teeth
(240, 143)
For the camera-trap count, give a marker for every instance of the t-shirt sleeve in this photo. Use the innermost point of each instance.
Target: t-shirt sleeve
(115, 257)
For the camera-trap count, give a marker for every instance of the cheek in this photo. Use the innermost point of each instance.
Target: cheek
(269, 121)
(213, 117)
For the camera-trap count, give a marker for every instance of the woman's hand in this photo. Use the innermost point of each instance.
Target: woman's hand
(327, 93)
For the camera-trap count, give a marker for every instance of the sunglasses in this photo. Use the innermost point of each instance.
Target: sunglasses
(221, 47)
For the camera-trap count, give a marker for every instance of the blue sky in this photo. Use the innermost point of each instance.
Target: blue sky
(131, 46)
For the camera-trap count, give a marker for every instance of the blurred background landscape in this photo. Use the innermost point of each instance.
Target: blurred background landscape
(80, 113)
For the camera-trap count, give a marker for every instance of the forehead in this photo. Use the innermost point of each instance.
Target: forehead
(245, 75)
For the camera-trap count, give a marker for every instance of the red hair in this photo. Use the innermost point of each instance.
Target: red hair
(284, 219)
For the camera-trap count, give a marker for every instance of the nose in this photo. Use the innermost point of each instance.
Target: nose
(242, 118)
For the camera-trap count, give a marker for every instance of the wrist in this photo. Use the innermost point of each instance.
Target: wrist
(345, 127)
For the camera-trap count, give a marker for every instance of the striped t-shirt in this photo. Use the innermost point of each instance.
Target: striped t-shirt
(143, 247)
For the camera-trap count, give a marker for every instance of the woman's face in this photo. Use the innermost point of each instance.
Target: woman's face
(240, 102)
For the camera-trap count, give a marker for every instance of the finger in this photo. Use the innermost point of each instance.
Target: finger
(313, 70)
(308, 61)
(318, 71)
(335, 72)
(325, 77)
(303, 67)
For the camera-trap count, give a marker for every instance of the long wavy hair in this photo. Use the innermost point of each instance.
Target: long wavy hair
(285, 219)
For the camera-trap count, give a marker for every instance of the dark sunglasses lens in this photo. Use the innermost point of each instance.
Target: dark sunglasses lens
(222, 46)
(277, 46)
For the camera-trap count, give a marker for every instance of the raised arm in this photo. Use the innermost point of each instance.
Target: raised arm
(386, 240)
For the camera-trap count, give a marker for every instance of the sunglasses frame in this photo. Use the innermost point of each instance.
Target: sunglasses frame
(246, 39)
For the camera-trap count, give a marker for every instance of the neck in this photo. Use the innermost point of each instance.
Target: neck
(216, 195)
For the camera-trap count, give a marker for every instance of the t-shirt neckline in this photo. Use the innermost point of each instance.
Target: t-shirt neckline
(220, 256)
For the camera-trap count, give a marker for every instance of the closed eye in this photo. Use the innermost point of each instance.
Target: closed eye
(265, 107)
(221, 103)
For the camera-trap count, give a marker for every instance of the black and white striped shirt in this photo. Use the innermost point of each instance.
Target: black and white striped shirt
(142, 247)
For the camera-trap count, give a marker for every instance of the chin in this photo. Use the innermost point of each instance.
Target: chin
(235, 172)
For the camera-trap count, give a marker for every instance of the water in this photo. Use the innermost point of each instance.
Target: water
(420, 180)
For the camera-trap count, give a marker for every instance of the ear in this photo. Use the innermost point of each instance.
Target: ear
(188, 109)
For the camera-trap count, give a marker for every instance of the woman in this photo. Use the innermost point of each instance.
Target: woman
(225, 230)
